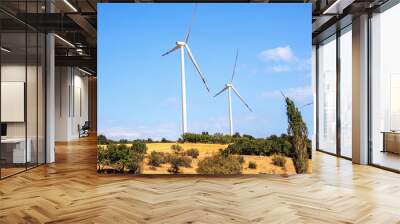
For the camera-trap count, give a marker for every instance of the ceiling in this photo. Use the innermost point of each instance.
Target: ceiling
(75, 22)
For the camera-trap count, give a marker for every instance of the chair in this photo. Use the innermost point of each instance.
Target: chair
(84, 130)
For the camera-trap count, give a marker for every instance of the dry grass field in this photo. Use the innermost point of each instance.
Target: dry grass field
(264, 163)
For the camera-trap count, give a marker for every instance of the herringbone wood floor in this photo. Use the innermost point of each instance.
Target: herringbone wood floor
(70, 191)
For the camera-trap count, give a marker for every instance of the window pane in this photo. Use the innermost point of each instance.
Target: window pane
(41, 98)
(346, 92)
(386, 89)
(31, 97)
(14, 153)
(327, 95)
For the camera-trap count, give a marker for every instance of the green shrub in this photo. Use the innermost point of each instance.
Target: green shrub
(194, 153)
(278, 160)
(134, 162)
(117, 152)
(260, 147)
(102, 157)
(252, 165)
(204, 137)
(177, 161)
(177, 149)
(139, 147)
(156, 159)
(241, 159)
(220, 164)
(122, 158)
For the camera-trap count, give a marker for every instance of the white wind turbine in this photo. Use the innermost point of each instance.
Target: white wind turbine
(182, 45)
(229, 86)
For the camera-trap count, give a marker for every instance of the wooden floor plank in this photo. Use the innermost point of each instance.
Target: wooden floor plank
(70, 191)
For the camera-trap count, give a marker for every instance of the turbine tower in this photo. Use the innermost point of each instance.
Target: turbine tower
(229, 86)
(182, 45)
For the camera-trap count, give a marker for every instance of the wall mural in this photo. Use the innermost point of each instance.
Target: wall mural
(204, 89)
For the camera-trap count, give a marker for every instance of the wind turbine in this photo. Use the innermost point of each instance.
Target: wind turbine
(229, 86)
(182, 45)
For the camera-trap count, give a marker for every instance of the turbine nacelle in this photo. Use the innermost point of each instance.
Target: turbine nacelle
(180, 43)
(228, 85)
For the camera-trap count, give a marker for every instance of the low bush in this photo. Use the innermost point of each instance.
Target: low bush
(220, 164)
(102, 157)
(134, 162)
(194, 153)
(156, 159)
(178, 161)
(241, 159)
(121, 158)
(279, 160)
(177, 149)
(252, 165)
(260, 147)
(117, 152)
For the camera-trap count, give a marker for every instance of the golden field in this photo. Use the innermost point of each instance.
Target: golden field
(264, 163)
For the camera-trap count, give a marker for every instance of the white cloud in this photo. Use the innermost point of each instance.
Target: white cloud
(277, 54)
(302, 94)
(280, 68)
(283, 59)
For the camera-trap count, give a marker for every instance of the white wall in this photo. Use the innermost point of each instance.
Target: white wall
(71, 94)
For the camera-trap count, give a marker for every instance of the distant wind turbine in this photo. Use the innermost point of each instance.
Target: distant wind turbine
(229, 86)
(182, 45)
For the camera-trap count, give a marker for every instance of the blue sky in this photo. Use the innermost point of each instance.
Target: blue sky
(139, 93)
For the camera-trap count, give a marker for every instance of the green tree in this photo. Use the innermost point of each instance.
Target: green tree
(102, 140)
(139, 147)
(297, 130)
(164, 140)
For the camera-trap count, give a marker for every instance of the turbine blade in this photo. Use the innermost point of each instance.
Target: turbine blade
(191, 24)
(196, 66)
(234, 67)
(221, 91)
(307, 104)
(237, 93)
(173, 49)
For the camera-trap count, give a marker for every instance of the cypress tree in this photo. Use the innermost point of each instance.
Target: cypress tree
(297, 130)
